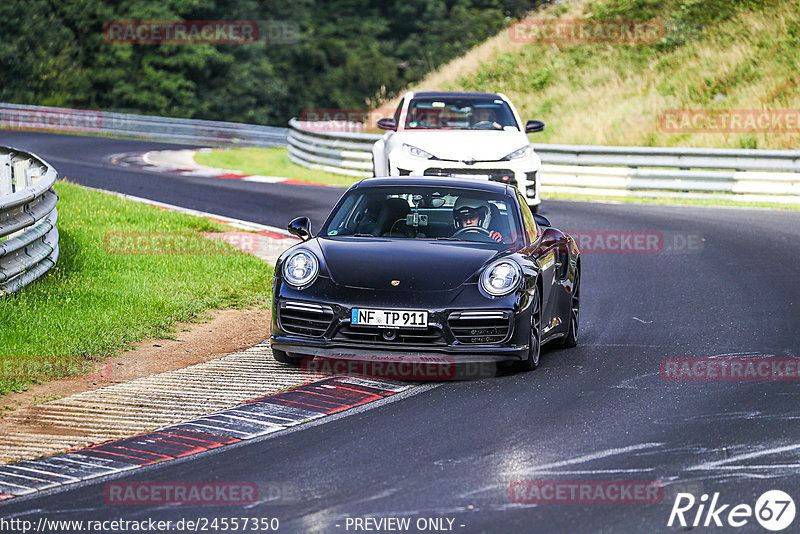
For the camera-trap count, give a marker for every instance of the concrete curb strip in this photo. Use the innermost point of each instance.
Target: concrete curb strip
(182, 162)
(177, 414)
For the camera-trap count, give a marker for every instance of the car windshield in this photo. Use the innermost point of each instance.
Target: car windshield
(460, 113)
(426, 212)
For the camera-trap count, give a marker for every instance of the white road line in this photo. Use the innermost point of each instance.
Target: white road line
(264, 179)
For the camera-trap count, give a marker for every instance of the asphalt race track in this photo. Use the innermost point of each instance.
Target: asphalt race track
(599, 412)
(85, 160)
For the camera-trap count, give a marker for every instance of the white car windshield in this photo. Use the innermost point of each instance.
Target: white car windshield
(426, 212)
(460, 113)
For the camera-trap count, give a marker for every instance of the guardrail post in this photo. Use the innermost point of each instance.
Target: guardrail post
(21, 177)
(6, 184)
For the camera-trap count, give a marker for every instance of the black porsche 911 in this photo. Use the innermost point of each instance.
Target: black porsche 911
(409, 267)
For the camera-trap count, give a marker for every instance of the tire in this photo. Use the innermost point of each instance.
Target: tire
(284, 358)
(571, 338)
(535, 342)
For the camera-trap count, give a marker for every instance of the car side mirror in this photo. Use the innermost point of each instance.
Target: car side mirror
(301, 227)
(387, 124)
(551, 238)
(534, 126)
(541, 220)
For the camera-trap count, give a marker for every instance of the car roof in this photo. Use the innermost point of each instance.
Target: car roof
(459, 94)
(467, 183)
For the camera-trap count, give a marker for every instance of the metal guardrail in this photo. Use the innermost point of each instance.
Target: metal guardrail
(28, 234)
(746, 174)
(339, 152)
(161, 128)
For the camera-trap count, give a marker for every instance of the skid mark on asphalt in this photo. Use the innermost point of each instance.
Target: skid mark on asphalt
(714, 417)
(593, 456)
(731, 463)
(721, 464)
(553, 467)
(645, 381)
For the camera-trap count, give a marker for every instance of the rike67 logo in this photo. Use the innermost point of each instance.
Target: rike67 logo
(774, 510)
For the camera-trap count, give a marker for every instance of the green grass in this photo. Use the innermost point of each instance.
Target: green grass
(269, 162)
(714, 55)
(100, 298)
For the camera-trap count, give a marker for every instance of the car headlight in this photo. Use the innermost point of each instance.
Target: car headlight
(518, 154)
(501, 277)
(301, 268)
(411, 150)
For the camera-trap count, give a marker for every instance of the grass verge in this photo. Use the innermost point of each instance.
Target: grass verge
(269, 162)
(715, 55)
(126, 271)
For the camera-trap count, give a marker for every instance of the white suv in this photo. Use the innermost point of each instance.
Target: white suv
(458, 134)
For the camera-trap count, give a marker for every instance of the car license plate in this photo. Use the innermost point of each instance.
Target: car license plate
(389, 318)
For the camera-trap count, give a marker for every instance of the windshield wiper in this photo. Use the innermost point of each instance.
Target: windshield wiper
(363, 235)
(448, 239)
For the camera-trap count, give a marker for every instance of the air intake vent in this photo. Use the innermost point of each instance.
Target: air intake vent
(391, 336)
(498, 175)
(480, 326)
(304, 318)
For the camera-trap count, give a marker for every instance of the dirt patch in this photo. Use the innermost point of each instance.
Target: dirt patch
(228, 331)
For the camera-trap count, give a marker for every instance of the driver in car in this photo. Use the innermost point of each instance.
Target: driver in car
(485, 117)
(470, 215)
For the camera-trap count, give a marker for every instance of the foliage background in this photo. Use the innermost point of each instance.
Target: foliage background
(349, 54)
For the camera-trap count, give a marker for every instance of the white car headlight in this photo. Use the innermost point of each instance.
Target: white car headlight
(519, 153)
(301, 268)
(411, 150)
(501, 277)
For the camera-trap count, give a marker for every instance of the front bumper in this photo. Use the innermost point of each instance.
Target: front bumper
(521, 173)
(398, 354)
(453, 335)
